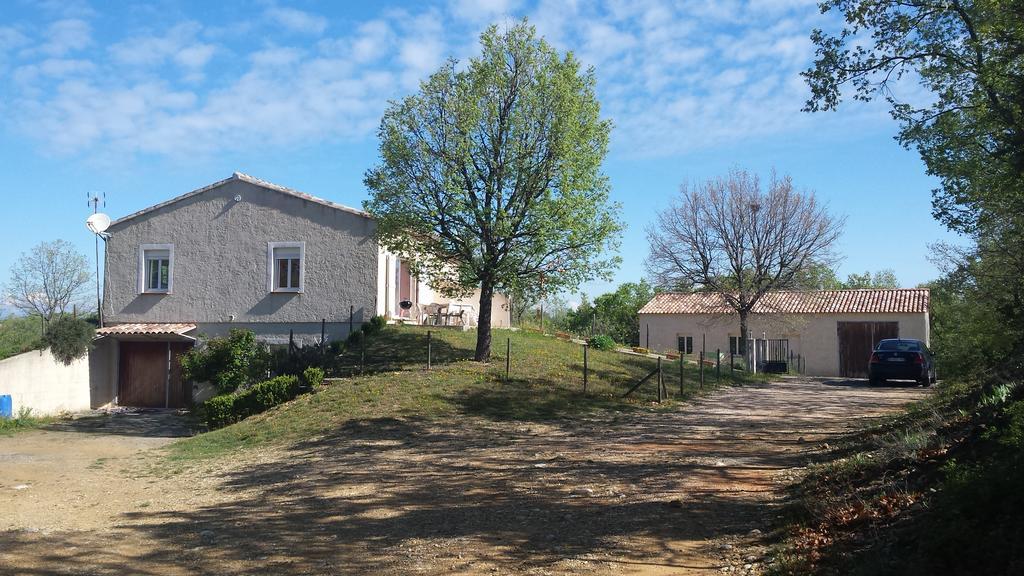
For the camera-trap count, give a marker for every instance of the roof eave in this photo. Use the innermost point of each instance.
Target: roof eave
(250, 180)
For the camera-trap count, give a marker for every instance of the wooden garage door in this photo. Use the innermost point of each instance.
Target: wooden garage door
(857, 340)
(143, 378)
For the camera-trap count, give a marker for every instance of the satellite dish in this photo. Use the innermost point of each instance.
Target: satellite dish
(98, 223)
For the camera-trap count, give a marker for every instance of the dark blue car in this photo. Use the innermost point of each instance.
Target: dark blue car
(899, 359)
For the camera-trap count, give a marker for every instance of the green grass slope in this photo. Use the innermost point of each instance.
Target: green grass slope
(936, 490)
(546, 382)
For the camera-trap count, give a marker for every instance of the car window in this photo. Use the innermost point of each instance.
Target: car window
(900, 345)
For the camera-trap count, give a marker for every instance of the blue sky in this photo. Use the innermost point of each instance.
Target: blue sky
(150, 100)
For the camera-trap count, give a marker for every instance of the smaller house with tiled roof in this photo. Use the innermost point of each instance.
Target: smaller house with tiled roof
(831, 331)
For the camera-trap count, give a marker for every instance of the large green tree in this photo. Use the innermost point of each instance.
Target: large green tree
(967, 125)
(491, 175)
(969, 58)
(613, 314)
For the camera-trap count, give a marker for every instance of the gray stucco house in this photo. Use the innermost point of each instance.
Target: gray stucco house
(243, 253)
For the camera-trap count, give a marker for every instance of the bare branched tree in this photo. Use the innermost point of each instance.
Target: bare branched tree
(731, 237)
(49, 280)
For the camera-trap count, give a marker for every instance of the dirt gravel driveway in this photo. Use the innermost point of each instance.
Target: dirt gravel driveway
(684, 491)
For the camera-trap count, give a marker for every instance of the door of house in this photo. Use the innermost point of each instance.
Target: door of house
(857, 340)
(405, 288)
(149, 375)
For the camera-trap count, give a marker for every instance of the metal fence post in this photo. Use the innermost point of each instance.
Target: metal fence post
(362, 354)
(508, 358)
(351, 318)
(661, 383)
(429, 342)
(682, 360)
(701, 369)
(585, 367)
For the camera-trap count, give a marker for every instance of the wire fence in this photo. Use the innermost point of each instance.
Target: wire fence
(654, 376)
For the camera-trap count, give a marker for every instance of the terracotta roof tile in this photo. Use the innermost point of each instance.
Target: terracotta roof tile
(146, 328)
(898, 300)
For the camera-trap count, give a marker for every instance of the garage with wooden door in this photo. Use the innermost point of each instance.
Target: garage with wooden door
(149, 371)
(856, 342)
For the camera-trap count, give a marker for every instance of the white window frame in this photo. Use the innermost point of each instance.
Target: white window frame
(142, 287)
(271, 285)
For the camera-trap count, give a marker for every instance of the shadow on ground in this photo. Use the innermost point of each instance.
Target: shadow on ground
(470, 495)
(150, 423)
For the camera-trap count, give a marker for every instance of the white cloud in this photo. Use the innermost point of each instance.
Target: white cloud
(482, 11)
(64, 8)
(195, 56)
(297, 20)
(372, 41)
(179, 44)
(422, 48)
(59, 68)
(11, 38)
(64, 36)
(673, 77)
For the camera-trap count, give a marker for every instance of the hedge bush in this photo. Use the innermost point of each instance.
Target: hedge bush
(601, 342)
(313, 376)
(226, 409)
(219, 411)
(228, 363)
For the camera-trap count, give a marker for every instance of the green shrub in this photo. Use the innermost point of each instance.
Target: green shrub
(266, 395)
(313, 376)
(23, 420)
(219, 411)
(375, 325)
(69, 338)
(355, 338)
(601, 342)
(228, 363)
(227, 409)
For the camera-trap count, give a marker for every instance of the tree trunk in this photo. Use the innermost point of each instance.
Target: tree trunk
(483, 324)
(743, 333)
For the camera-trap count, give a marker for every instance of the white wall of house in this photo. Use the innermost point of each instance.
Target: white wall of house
(813, 336)
(422, 294)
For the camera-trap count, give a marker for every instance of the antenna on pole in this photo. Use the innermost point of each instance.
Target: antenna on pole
(98, 224)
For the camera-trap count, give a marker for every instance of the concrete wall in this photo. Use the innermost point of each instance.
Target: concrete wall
(103, 363)
(37, 381)
(219, 270)
(813, 336)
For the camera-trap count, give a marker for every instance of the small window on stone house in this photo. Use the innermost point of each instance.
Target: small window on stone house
(156, 268)
(685, 344)
(286, 263)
